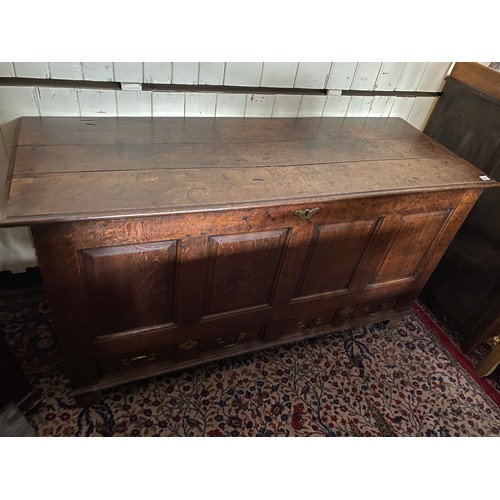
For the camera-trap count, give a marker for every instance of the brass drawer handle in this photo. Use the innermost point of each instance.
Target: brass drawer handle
(149, 357)
(317, 322)
(220, 341)
(307, 213)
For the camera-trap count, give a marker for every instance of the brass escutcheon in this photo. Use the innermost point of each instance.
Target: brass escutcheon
(346, 311)
(188, 345)
(307, 213)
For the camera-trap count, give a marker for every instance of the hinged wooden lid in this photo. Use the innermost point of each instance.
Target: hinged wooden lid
(78, 169)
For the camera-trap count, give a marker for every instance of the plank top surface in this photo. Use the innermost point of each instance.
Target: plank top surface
(77, 169)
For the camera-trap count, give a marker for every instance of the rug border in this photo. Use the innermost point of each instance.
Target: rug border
(462, 359)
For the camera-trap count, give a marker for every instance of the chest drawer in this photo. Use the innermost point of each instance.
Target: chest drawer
(370, 312)
(218, 341)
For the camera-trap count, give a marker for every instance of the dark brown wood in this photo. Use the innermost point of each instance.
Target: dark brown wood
(167, 243)
(143, 296)
(466, 284)
(14, 387)
(202, 164)
(477, 76)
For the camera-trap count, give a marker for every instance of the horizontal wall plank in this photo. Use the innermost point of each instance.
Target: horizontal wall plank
(336, 105)
(341, 75)
(133, 103)
(401, 107)
(97, 102)
(185, 73)
(7, 70)
(355, 106)
(66, 70)
(158, 72)
(58, 102)
(433, 77)
(420, 111)
(16, 102)
(381, 106)
(211, 73)
(366, 75)
(312, 105)
(279, 74)
(32, 69)
(286, 106)
(312, 75)
(411, 76)
(259, 105)
(202, 104)
(243, 73)
(231, 105)
(168, 103)
(98, 71)
(389, 75)
(128, 72)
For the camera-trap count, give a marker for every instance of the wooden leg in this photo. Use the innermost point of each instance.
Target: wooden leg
(490, 363)
(87, 398)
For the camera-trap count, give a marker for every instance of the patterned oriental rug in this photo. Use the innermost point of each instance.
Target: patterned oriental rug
(369, 381)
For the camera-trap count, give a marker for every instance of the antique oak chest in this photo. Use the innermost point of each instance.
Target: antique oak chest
(165, 243)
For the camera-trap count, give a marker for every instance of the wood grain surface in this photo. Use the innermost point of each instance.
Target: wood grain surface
(69, 168)
(164, 243)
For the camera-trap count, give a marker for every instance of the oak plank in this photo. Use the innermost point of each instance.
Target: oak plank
(87, 194)
(35, 160)
(126, 130)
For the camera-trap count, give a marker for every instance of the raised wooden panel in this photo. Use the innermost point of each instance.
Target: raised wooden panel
(410, 245)
(243, 270)
(334, 254)
(130, 286)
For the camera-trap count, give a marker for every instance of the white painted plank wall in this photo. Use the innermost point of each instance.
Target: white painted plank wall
(31, 69)
(98, 71)
(259, 105)
(95, 102)
(66, 70)
(168, 103)
(211, 73)
(248, 74)
(200, 104)
(313, 75)
(128, 72)
(185, 73)
(16, 249)
(7, 69)
(278, 74)
(425, 76)
(157, 72)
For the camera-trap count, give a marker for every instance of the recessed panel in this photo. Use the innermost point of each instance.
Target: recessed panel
(130, 286)
(409, 247)
(334, 254)
(243, 270)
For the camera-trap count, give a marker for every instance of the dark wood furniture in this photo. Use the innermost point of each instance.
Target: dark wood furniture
(14, 387)
(166, 243)
(466, 283)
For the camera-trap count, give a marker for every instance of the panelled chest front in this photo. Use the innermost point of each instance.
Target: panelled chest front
(166, 243)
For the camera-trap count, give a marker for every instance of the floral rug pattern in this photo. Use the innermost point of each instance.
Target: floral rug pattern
(369, 381)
